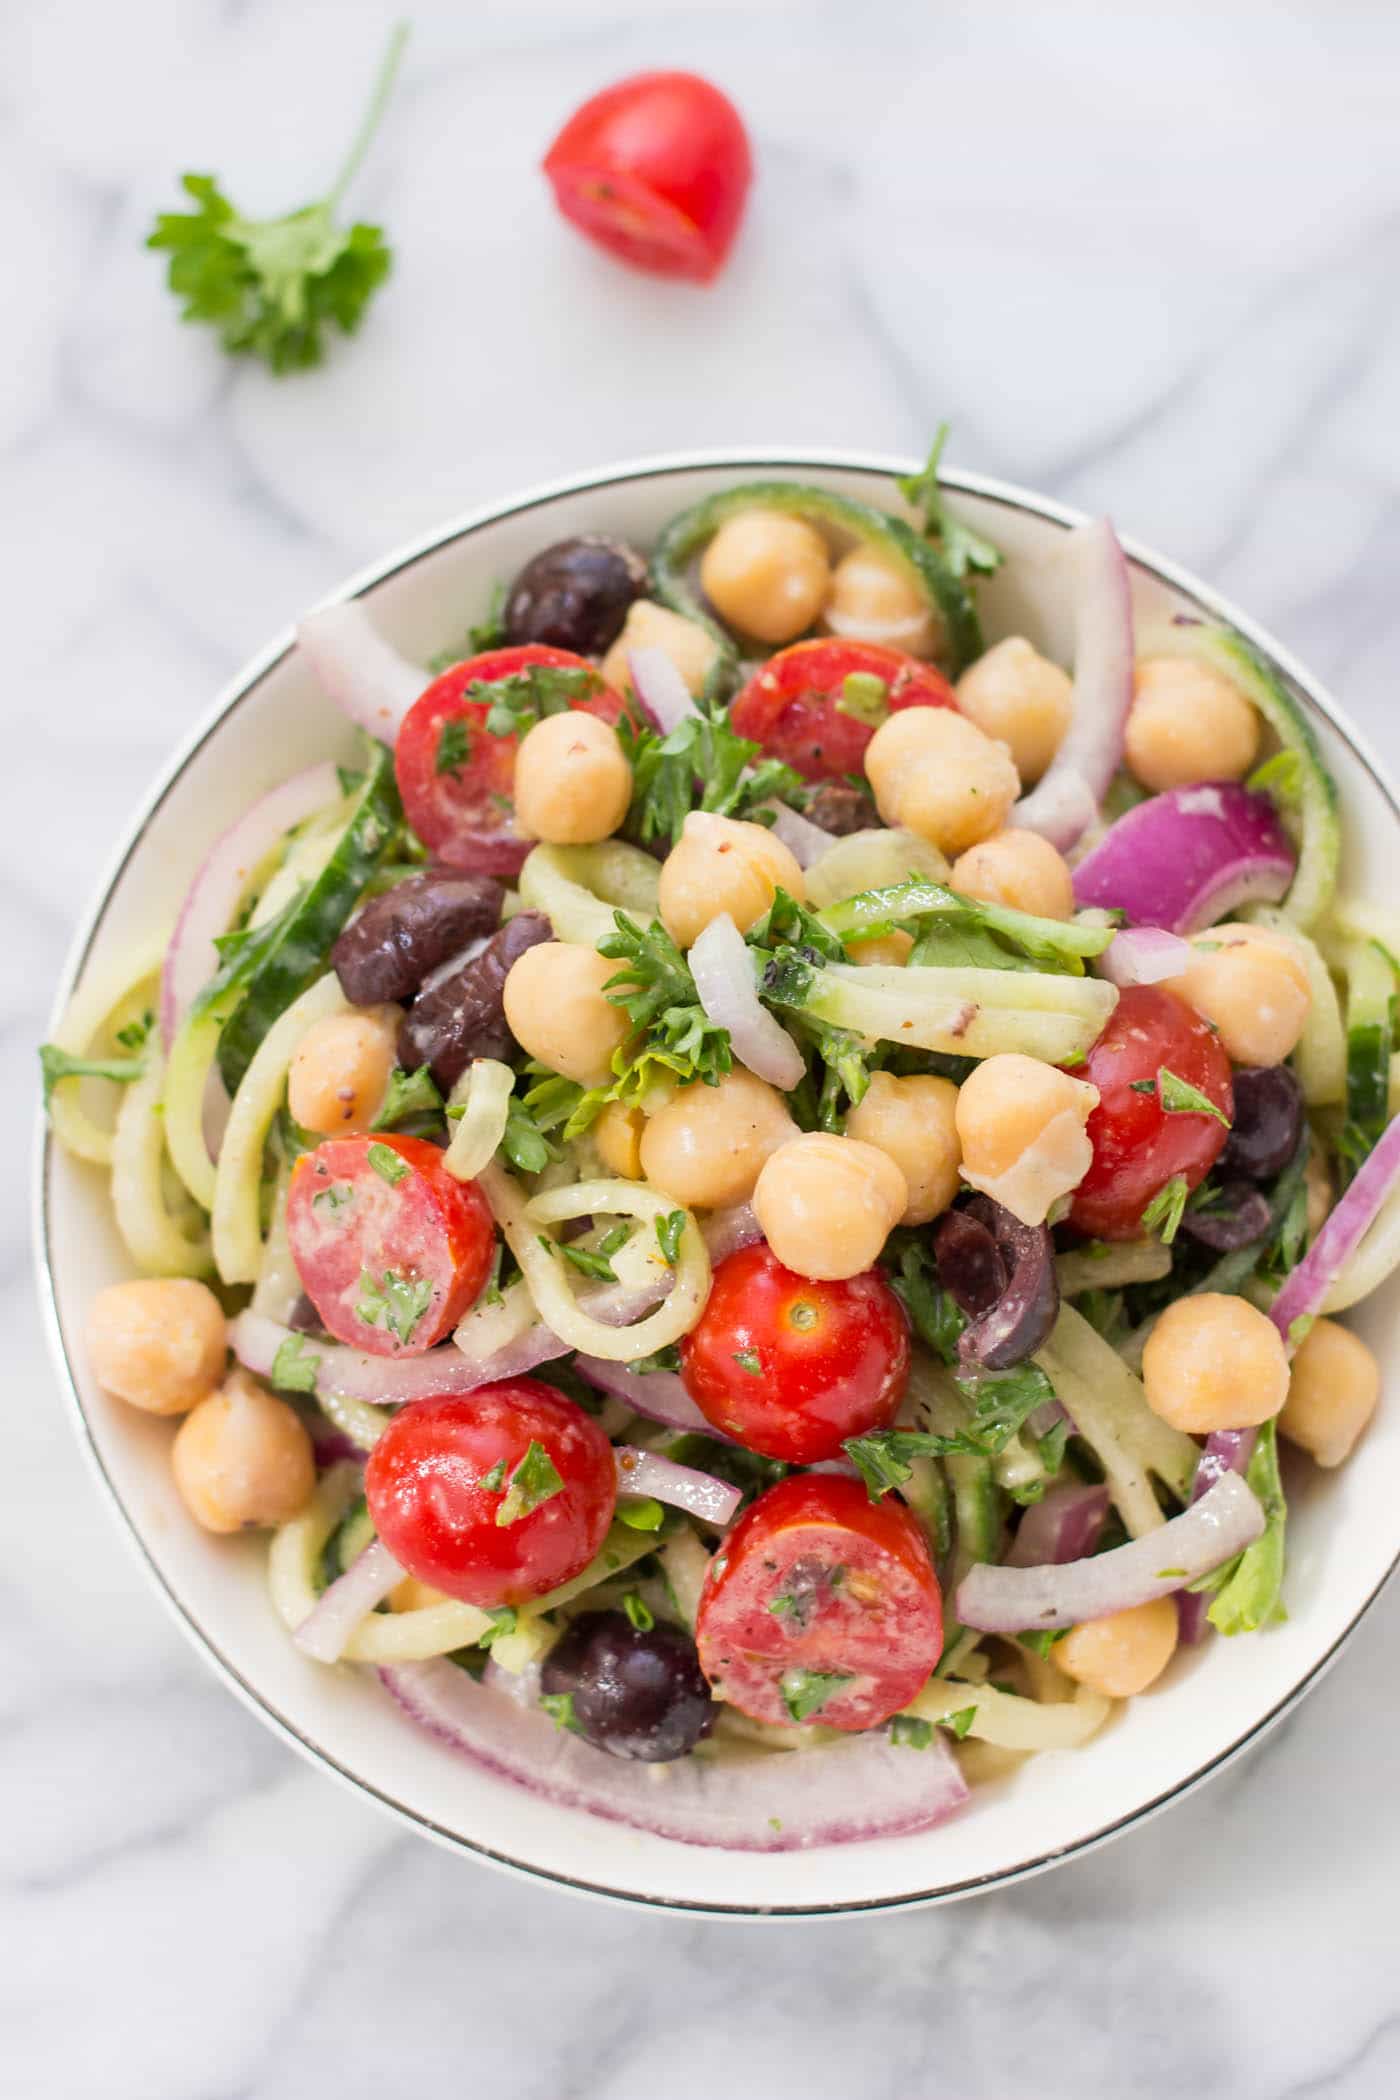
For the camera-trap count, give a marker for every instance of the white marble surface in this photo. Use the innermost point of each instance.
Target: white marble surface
(1146, 259)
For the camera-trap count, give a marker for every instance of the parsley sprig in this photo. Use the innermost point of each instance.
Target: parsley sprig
(963, 549)
(271, 286)
(702, 764)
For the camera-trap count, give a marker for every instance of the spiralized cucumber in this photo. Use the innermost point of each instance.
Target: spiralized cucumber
(278, 1287)
(158, 1243)
(871, 860)
(483, 1092)
(963, 1012)
(1321, 1056)
(1013, 1723)
(108, 997)
(236, 1220)
(1110, 1411)
(578, 888)
(1108, 1265)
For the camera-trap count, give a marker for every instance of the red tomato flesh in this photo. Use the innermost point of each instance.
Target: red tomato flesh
(821, 1605)
(1138, 1145)
(655, 170)
(790, 705)
(390, 1248)
(457, 779)
(445, 1477)
(791, 1367)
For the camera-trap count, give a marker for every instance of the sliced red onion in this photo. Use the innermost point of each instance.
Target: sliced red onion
(1188, 858)
(1066, 802)
(804, 840)
(367, 1581)
(212, 900)
(1002, 1599)
(1063, 1526)
(1142, 955)
(356, 668)
(660, 688)
(1226, 1451)
(683, 1487)
(867, 1788)
(1307, 1287)
(658, 1395)
(722, 968)
(726, 1231)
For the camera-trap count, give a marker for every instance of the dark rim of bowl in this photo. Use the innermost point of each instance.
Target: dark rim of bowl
(765, 459)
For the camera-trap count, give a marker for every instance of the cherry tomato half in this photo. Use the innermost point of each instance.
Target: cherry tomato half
(791, 1367)
(656, 171)
(1138, 1144)
(790, 706)
(457, 779)
(391, 1249)
(821, 1605)
(493, 1496)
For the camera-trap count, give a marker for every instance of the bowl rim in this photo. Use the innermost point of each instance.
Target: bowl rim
(649, 466)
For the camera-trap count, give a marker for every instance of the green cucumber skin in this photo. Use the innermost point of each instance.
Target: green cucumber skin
(686, 534)
(1315, 882)
(1368, 1077)
(300, 956)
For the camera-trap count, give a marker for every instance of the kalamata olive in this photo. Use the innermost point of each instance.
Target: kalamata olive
(1236, 1215)
(842, 809)
(634, 1693)
(402, 937)
(464, 1016)
(575, 594)
(1002, 1274)
(1267, 1125)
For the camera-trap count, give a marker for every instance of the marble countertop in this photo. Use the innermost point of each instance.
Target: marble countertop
(1147, 262)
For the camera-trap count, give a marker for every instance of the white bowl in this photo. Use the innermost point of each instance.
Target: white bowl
(1342, 1536)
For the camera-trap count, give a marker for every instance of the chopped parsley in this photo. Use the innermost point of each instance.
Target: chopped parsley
(57, 1064)
(334, 1198)
(524, 1143)
(700, 764)
(535, 1481)
(668, 1236)
(560, 1708)
(747, 1360)
(639, 1612)
(908, 1732)
(963, 549)
(408, 1094)
(295, 1366)
(958, 1724)
(495, 1479)
(387, 1164)
(395, 1302)
(1164, 1213)
(454, 746)
(503, 1620)
(514, 704)
(806, 1692)
(587, 1260)
(1180, 1098)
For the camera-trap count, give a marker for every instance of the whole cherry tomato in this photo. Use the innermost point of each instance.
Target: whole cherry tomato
(457, 777)
(493, 1496)
(791, 1367)
(820, 1605)
(655, 170)
(795, 705)
(391, 1249)
(1139, 1143)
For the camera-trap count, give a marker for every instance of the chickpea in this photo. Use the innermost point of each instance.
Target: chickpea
(340, 1069)
(159, 1344)
(914, 1121)
(767, 574)
(892, 949)
(1332, 1392)
(413, 1595)
(1019, 869)
(707, 1145)
(243, 1457)
(874, 598)
(1021, 1127)
(557, 1011)
(1317, 1183)
(1123, 1654)
(1188, 723)
(652, 626)
(1252, 984)
(1214, 1362)
(1017, 695)
(722, 864)
(827, 1204)
(935, 773)
(618, 1137)
(572, 783)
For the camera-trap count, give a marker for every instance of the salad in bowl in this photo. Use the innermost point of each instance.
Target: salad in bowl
(751, 1199)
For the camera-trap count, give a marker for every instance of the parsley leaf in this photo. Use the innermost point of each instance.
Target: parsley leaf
(503, 1619)
(270, 286)
(700, 764)
(908, 1732)
(535, 1481)
(587, 1260)
(958, 1724)
(1180, 1098)
(805, 1692)
(560, 1708)
(1248, 1590)
(295, 1366)
(639, 1612)
(748, 1360)
(56, 1064)
(408, 1094)
(454, 745)
(333, 1199)
(668, 1236)
(1164, 1213)
(963, 549)
(396, 1302)
(517, 702)
(387, 1164)
(524, 1143)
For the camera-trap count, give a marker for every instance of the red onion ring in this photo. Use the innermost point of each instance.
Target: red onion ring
(356, 668)
(1063, 1526)
(1142, 955)
(723, 971)
(1226, 1451)
(658, 1395)
(660, 688)
(1188, 858)
(867, 1788)
(683, 1487)
(367, 1581)
(1305, 1289)
(726, 1231)
(804, 840)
